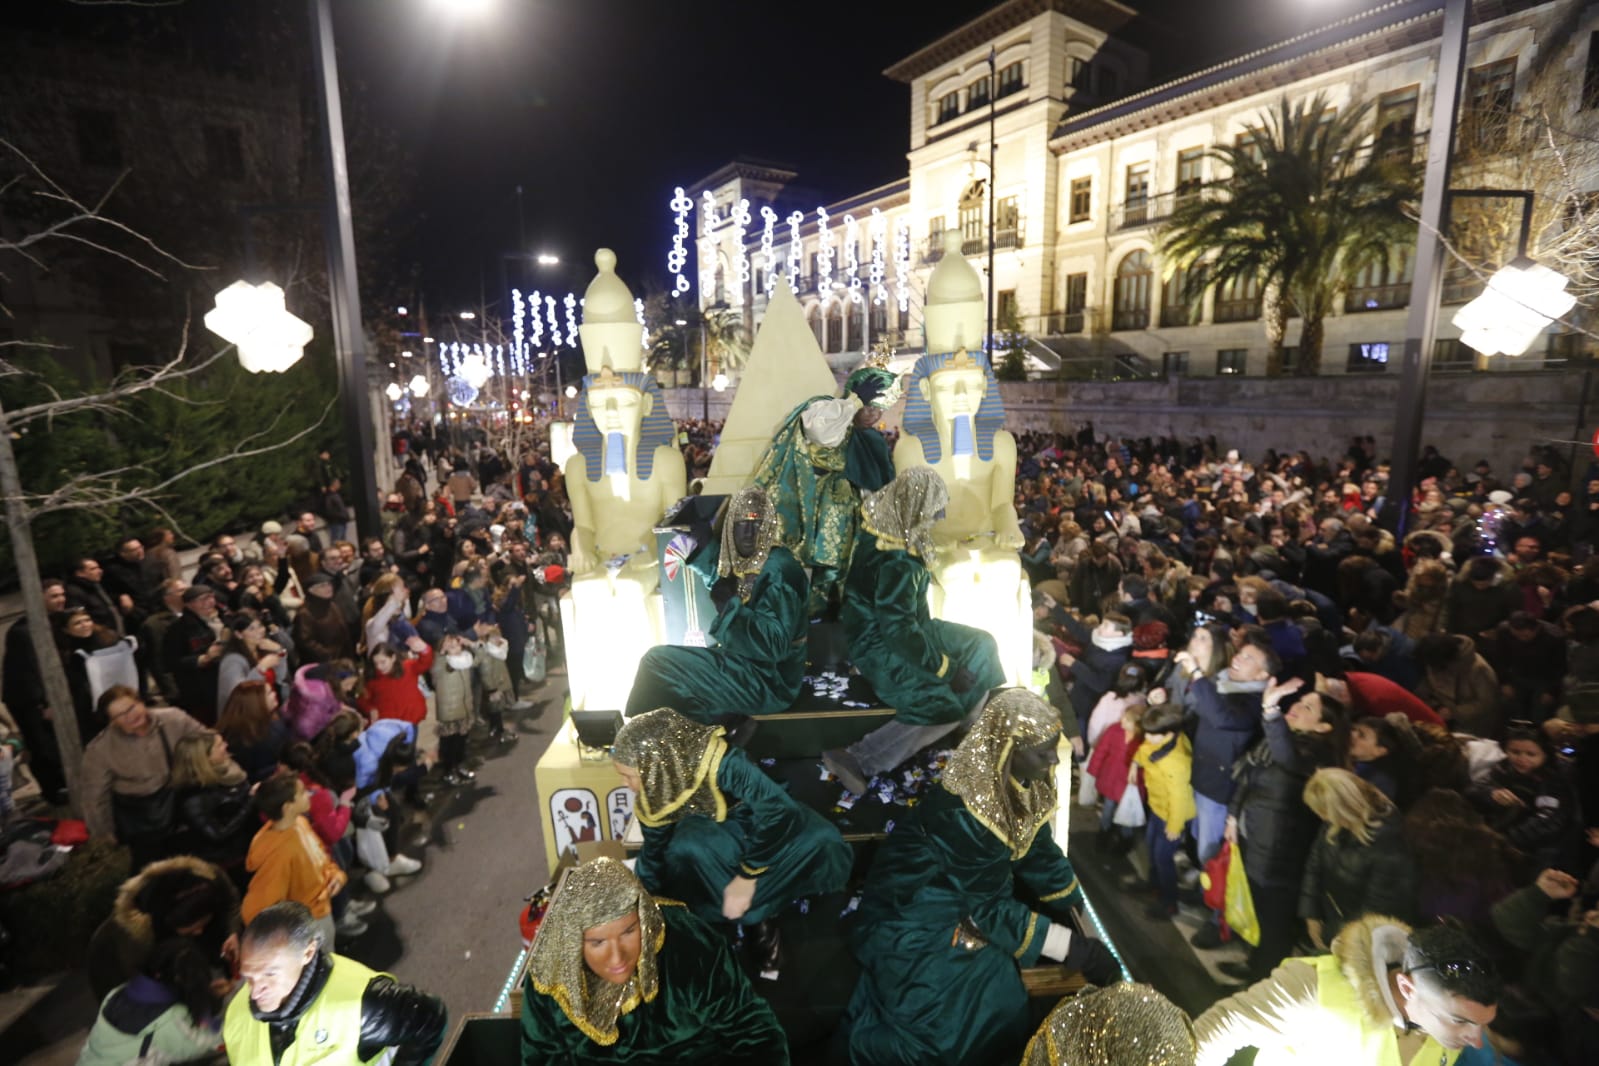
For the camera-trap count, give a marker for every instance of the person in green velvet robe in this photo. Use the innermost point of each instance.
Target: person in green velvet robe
(826, 453)
(942, 934)
(617, 976)
(761, 629)
(721, 835)
(933, 673)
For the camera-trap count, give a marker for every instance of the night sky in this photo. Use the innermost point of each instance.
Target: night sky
(597, 108)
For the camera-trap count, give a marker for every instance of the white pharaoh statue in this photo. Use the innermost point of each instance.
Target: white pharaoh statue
(624, 476)
(953, 419)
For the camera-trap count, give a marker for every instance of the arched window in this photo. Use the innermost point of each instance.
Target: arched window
(879, 321)
(813, 318)
(1130, 301)
(857, 326)
(835, 328)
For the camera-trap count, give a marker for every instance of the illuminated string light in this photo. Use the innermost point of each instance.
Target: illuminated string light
(824, 252)
(768, 233)
(644, 330)
(555, 326)
(741, 222)
(879, 231)
(852, 257)
(902, 265)
(796, 248)
(517, 310)
(571, 320)
(536, 320)
(677, 258)
(708, 223)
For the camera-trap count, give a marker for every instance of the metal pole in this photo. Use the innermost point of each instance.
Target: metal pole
(344, 294)
(1427, 285)
(993, 144)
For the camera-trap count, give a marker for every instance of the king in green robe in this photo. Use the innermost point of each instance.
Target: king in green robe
(757, 665)
(684, 999)
(941, 934)
(824, 455)
(718, 833)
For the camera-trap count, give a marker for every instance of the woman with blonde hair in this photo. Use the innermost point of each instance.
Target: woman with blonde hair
(1359, 863)
(215, 818)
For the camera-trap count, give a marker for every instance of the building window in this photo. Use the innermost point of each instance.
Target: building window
(972, 239)
(1076, 301)
(1380, 286)
(814, 278)
(813, 318)
(224, 152)
(935, 239)
(1232, 360)
(721, 285)
(1368, 358)
(1238, 300)
(835, 327)
(1109, 84)
(1396, 121)
(949, 106)
(98, 142)
(1174, 305)
(1010, 80)
(1082, 201)
(1078, 72)
(1590, 77)
(1135, 205)
(1248, 144)
(1448, 355)
(1130, 301)
(1007, 220)
(1485, 113)
(1190, 162)
(1174, 363)
(1290, 363)
(1006, 309)
(857, 328)
(879, 319)
(977, 94)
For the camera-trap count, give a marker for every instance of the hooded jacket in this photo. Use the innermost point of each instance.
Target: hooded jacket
(1330, 1008)
(1468, 687)
(119, 948)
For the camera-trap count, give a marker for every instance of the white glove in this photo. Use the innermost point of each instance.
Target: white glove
(1057, 942)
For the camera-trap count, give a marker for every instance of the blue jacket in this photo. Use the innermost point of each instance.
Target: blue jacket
(375, 740)
(1227, 725)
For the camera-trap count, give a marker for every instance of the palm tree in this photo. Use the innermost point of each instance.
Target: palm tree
(1309, 202)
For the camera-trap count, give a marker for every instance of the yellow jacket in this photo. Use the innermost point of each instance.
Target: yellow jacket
(1166, 781)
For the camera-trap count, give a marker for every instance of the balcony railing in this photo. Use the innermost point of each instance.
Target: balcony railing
(1006, 236)
(1132, 318)
(1178, 315)
(1376, 297)
(1061, 322)
(1146, 210)
(1237, 310)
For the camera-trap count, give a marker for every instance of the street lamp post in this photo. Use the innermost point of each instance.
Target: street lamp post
(344, 294)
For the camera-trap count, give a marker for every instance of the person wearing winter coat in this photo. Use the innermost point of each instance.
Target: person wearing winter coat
(1561, 957)
(454, 704)
(320, 692)
(1529, 798)
(1105, 648)
(392, 689)
(1529, 659)
(1164, 760)
(494, 681)
(168, 1012)
(1268, 822)
(1359, 864)
(215, 817)
(181, 893)
(1481, 596)
(1459, 684)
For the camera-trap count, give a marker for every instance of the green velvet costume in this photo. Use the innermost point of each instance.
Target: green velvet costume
(816, 492)
(703, 1011)
(896, 643)
(923, 998)
(758, 665)
(790, 850)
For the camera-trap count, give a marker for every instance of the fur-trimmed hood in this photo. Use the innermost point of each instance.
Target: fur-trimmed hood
(1365, 949)
(131, 913)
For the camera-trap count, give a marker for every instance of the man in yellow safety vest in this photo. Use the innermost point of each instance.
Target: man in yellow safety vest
(305, 1004)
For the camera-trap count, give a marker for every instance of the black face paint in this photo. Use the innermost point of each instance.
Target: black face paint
(1036, 763)
(746, 535)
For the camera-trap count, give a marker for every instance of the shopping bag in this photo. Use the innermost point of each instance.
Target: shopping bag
(1130, 811)
(1240, 910)
(533, 661)
(1087, 790)
(114, 665)
(1214, 878)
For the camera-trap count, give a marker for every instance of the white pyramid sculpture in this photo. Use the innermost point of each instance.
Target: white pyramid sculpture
(785, 368)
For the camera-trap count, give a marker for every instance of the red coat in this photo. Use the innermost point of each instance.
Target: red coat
(1108, 763)
(399, 697)
(1373, 694)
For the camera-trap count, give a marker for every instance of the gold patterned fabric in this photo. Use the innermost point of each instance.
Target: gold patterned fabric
(901, 514)
(593, 894)
(1119, 1025)
(676, 759)
(979, 771)
(748, 502)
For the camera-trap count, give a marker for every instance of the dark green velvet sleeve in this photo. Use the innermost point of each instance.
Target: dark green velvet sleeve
(977, 864)
(547, 1035)
(868, 464)
(1048, 874)
(713, 997)
(650, 867)
(764, 628)
(901, 593)
(772, 814)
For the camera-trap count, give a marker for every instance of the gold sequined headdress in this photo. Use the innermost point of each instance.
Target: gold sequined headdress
(676, 759)
(979, 771)
(593, 894)
(750, 500)
(901, 514)
(1119, 1025)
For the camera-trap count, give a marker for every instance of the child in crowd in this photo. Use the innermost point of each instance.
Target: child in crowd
(392, 689)
(1528, 798)
(287, 860)
(1384, 754)
(494, 676)
(453, 705)
(1109, 765)
(1165, 759)
(1126, 693)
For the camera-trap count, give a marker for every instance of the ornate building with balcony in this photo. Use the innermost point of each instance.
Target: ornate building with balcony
(1093, 153)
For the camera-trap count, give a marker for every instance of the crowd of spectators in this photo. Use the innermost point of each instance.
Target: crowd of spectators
(1373, 725)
